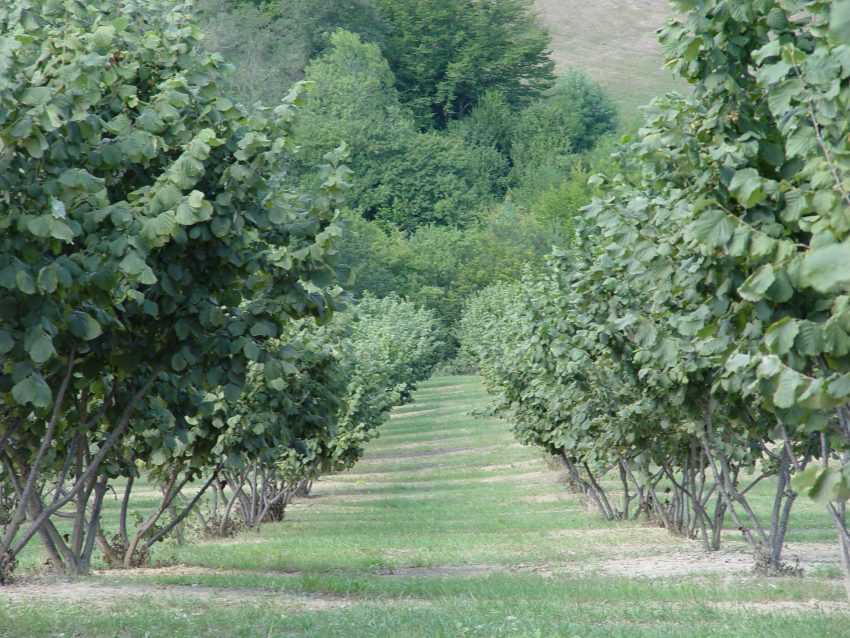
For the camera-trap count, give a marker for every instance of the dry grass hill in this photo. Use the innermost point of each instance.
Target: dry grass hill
(614, 42)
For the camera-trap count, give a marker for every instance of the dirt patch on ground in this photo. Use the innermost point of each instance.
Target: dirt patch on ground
(401, 415)
(545, 498)
(811, 554)
(445, 571)
(511, 466)
(648, 534)
(537, 478)
(671, 565)
(457, 386)
(419, 453)
(783, 606)
(342, 497)
(104, 596)
(190, 570)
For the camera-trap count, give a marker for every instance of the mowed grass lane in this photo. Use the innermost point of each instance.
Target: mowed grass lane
(446, 528)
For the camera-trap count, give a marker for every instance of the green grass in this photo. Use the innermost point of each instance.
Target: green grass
(446, 528)
(613, 42)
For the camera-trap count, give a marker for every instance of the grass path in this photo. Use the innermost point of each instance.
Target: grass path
(446, 528)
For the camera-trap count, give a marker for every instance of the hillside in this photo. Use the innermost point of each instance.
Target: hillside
(614, 42)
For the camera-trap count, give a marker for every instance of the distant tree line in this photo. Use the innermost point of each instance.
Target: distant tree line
(469, 156)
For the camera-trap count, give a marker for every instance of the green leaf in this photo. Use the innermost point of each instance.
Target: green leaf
(47, 280)
(746, 187)
(119, 125)
(134, 266)
(232, 392)
(810, 340)
(737, 362)
(6, 342)
(829, 485)
(785, 394)
(839, 21)
(41, 349)
(806, 479)
(36, 144)
(712, 228)
(33, 390)
(158, 457)
(840, 388)
(25, 283)
(220, 226)
(22, 128)
(158, 228)
(57, 207)
(825, 269)
(836, 340)
(61, 230)
(195, 199)
(80, 179)
(185, 215)
(36, 95)
(103, 36)
(757, 284)
(178, 362)
(84, 326)
(264, 328)
(120, 24)
(55, 117)
(40, 226)
(251, 350)
(780, 336)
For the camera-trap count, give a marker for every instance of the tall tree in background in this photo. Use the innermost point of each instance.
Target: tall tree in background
(404, 177)
(315, 21)
(268, 55)
(447, 53)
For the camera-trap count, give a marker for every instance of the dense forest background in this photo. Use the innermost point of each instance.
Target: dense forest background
(469, 154)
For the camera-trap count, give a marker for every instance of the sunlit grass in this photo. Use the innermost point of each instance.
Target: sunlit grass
(446, 528)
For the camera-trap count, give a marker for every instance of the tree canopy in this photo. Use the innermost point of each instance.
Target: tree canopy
(446, 54)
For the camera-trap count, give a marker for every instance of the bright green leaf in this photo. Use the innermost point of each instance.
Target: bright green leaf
(839, 21)
(788, 383)
(746, 187)
(827, 268)
(757, 284)
(780, 336)
(33, 390)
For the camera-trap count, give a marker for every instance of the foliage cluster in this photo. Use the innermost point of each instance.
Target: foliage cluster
(444, 55)
(344, 380)
(166, 286)
(465, 173)
(438, 268)
(694, 335)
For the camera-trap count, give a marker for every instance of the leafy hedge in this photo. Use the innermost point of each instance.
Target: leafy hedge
(694, 336)
(340, 388)
(167, 294)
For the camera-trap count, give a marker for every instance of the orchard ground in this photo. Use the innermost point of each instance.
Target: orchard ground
(448, 527)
